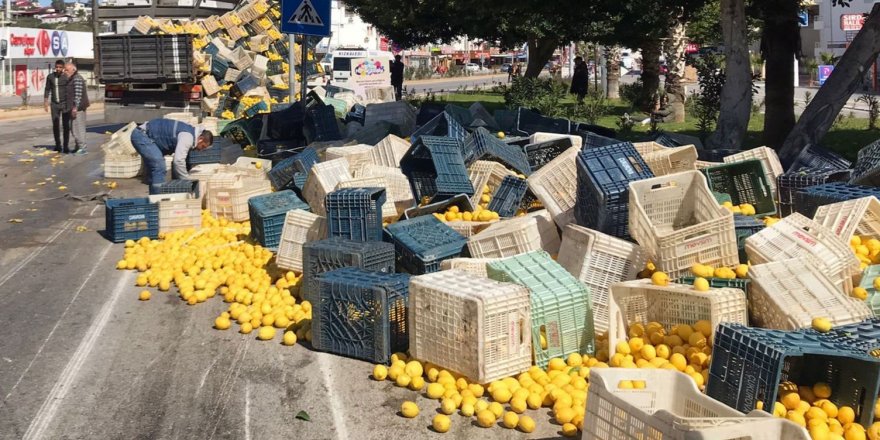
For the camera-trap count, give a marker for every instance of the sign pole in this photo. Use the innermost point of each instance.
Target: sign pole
(302, 75)
(291, 68)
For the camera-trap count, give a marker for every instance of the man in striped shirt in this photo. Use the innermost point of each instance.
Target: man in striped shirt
(77, 103)
(54, 99)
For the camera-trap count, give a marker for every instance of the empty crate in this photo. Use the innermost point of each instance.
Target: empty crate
(267, 213)
(335, 252)
(678, 222)
(555, 185)
(323, 178)
(423, 242)
(671, 160)
(228, 195)
(790, 183)
(507, 198)
(361, 314)
(853, 217)
(772, 167)
(435, 168)
(131, 219)
(562, 313)
(300, 227)
(355, 213)
(471, 325)
(506, 239)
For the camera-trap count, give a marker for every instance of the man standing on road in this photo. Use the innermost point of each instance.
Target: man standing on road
(158, 137)
(397, 77)
(77, 103)
(54, 99)
(580, 79)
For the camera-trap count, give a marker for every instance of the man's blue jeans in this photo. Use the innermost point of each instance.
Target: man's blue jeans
(153, 156)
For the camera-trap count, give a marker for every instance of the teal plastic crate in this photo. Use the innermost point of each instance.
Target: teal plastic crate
(561, 307)
(868, 276)
(745, 182)
(737, 283)
(722, 197)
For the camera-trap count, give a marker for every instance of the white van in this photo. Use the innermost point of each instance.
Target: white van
(342, 62)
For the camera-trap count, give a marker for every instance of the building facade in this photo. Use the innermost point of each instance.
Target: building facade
(32, 52)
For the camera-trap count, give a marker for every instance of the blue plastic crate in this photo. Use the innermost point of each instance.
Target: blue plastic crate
(506, 121)
(478, 111)
(245, 83)
(355, 213)
(260, 107)
(744, 182)
(267, 214)
(336, 252)
(443, 125)
(748, 364)
(746, 226)
(374, 134)
(131, 219)
(278, 150)
(321, 125)
(530, 122)
(219, 66)
(562, 310)
(361, 314)
(814, 156)
(435, 168)
(508, 197)
(788, 184)
(809, 199)
(602, 196)
(866, 170)
(208, 155)
(482, 145)
(541, 153)
(461, 115)
(593, 140)
(177, 186)
(715, 155)
(281, 175)
(275, 67)
(423, 242)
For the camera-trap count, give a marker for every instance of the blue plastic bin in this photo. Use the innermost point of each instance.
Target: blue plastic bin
(131, 219)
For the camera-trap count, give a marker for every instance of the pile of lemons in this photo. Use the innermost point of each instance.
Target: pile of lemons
(808, 406)
(866, 249)
(479, 214)
(562, 387)
(743, 209)
(218, 259)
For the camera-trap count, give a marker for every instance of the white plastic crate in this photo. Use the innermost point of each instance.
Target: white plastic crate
(670, 407)
(323, 178)
(772, 167)
(788, 294)
(468, 229)
(555, 185)
(486, 173)
(398, 187)
(178, 211)
(358, 156)
(599, 260)
(202, 173)
(300, 227)
(796, 236)
(700, 164)
(169, 163)
(472, 325)
(389, 151)
(640, 301)
(539, 136)
(120, 142)
(250, 163)
(671, 160)
(678, 222)
(473, 266)
(852, 217)
(550, 240)
(118, 166)
(506, 239)
(228, 198)
(647, 147)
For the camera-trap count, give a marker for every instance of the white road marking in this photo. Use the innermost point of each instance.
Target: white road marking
(92, 214)
(325, 365)
(205, 374)
(24, 262)
(46, 413)
(61, 318)
(247, 411)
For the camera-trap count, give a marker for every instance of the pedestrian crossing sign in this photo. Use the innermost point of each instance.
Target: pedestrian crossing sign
(307, 17)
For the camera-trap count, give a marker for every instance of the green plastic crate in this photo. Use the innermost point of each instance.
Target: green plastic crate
(741, 284)
(722, 197)
(867, 283)
(745, 182)
(561, 305)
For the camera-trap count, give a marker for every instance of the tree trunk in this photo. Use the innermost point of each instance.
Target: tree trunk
(780, 45)
(540, 51)
(650, 75)
(612, 57)
(736, 95)
(831, 97)
(675, 62)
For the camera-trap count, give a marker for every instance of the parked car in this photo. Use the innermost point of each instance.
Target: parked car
(627, 60)
(506, 67)
(473, 67)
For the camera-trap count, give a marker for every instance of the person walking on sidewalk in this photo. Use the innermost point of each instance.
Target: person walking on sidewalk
(158, 137)
(580, 80)
(397, 77)
(77, 103)
(54, 101)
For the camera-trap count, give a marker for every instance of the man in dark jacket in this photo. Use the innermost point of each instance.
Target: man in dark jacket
(397, 77)
(580, 80)
(77, 103)
(54, 99)
(158, 137)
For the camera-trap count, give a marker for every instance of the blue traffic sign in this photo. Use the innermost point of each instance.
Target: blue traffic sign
(803, 18)
(307, 17)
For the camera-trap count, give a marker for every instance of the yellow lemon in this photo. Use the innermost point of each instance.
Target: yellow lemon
(569, 430)
(496, 409)
(556, 364)
(144, 295)
(266, 333)
(846, 415)
(518, 405)
(481, 405)
(527, 424)
(467, 409)
(222, 323)
(435, 390)
(742, 271)
(822, 325)
(416, 383)
(701, 284)
(874, 431)
(564, 415)
(501, 135)
(860, 293)
(501, 395)
(380, 372)
(791, 400)
(409, 409)
(659, 279)
(246, 328)
(486, 418)
(441, 423)
(796, 417)
(823, 391)
(510, 420)
(447, 406)
(414, 368)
